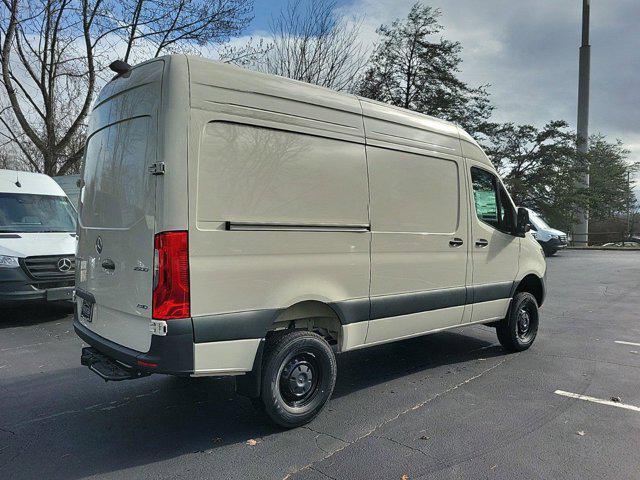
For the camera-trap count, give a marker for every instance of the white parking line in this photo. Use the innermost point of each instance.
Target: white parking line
(627, 343)
(597, 400)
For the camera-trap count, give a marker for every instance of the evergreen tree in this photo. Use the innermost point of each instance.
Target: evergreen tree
(542, 170)
(414, 68)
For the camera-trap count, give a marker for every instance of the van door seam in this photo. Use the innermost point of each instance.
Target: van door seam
(366, 160)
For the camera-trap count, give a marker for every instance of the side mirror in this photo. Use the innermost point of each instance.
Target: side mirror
(522, 225)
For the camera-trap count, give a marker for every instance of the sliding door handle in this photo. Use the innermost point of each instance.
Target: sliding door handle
(481, 243)
(456, 242)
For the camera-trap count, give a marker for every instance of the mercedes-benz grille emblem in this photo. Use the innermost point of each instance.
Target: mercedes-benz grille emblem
(64, 264)
(99, 245)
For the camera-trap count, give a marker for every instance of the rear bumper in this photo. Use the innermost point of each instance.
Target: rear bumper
(16, 286)
(172, 354)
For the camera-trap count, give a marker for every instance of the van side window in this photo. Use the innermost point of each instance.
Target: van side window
(493, 205)
(485, 194)
(507, 214)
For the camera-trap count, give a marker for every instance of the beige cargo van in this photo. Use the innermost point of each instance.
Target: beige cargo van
(234, 223)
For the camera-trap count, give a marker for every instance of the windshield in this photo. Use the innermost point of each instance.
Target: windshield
(20, 212)
(537, 221)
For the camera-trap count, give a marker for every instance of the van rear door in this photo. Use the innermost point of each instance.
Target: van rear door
(117, 210)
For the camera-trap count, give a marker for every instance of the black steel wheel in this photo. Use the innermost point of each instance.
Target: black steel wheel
(520, 327)
(298, 376)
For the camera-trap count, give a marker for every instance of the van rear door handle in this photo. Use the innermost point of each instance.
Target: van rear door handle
(481, 243)
(455, 242)
(109, 264)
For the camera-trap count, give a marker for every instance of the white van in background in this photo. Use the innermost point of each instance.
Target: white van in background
(37, 238)
(550, 239)
(235, 223)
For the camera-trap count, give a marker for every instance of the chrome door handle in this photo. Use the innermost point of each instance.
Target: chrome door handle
(455, 242)
(481, 243)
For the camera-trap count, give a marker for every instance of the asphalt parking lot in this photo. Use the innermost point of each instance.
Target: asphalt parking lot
(449, 405)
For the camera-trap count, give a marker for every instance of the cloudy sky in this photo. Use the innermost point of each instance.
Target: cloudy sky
(528, 51)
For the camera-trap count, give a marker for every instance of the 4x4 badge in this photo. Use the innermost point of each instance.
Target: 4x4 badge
(99, 245)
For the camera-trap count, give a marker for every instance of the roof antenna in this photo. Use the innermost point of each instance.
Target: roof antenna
(120, 67)
(18, 184)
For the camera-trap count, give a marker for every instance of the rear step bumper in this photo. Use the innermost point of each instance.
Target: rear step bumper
(107, 368)
(171, 354)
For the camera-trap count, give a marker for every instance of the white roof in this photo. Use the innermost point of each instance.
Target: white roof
(32, 183)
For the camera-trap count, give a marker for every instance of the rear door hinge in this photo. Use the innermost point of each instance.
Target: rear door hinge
(157, 168)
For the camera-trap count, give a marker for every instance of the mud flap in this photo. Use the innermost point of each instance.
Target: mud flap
(250, 384)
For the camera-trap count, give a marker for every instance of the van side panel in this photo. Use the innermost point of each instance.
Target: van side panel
(391, 127)
(262, 176)
(279, 215)
(230, 357)
(415, 209)
(278, 102)
(418, 205)
(263, 181)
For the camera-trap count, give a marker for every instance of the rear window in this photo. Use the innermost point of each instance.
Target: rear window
(117, 186)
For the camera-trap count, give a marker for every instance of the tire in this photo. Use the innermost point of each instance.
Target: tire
(298, 376)
(520, 327)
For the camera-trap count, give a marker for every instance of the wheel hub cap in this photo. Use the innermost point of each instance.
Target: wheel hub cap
(300, 379)
(297, 378)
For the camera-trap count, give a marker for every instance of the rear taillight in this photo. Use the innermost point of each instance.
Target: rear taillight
(171, 297)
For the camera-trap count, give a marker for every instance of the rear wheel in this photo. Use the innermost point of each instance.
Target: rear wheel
(298, 376)
(520, 327)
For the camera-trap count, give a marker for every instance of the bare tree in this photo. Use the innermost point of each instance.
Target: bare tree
(54, 55)
(311, 43)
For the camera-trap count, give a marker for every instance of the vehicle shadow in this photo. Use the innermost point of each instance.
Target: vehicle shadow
(21, 314)
(93, 428)
(361, 369)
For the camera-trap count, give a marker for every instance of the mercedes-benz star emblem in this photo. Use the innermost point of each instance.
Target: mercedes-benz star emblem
(99, 245)
(64, 264)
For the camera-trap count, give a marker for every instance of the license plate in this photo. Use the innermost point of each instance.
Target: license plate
(87, 310)
(62, 293)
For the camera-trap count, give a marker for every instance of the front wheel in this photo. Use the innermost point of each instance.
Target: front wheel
(298, 376)
(520, 327)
